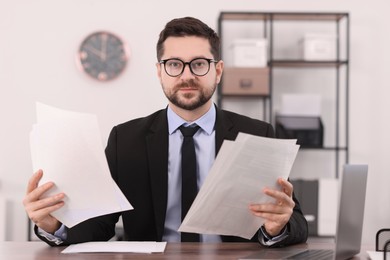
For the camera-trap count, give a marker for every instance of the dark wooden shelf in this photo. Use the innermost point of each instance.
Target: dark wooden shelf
(305, 63)
(282, 16)
(329, 148)
(245, 95)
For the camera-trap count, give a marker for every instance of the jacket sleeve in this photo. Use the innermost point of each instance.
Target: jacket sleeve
(101, 228)
(297, 229)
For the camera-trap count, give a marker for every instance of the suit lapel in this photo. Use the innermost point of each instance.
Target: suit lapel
(223, 130)
(157, 147)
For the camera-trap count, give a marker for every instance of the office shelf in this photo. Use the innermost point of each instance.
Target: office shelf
(279, 64)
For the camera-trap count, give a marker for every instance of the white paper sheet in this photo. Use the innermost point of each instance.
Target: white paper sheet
(241, 171)
(118, 246)
(300, 105)
(375, 255)
(68, 147)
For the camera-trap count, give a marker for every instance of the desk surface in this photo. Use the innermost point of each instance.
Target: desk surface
(187, 251)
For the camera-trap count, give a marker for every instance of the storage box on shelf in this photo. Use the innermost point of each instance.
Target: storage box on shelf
(317, 47)
(246, 81)
(307, 130)
(250, 53)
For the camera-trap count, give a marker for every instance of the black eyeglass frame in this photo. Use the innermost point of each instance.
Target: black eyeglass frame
(189, 65)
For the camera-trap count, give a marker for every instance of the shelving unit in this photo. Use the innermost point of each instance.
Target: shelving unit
(282, 61)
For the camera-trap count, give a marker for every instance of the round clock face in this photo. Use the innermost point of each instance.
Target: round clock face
(103, 55)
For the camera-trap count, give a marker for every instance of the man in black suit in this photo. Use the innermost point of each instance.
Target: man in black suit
(144, 154)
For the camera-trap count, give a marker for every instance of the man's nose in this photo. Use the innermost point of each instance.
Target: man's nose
(187, 72)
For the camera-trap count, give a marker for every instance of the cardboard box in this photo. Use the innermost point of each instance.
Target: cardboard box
(319, 47)
(250, 53)
(246, 81)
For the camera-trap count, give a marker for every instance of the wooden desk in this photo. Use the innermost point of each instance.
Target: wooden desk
(173, 251)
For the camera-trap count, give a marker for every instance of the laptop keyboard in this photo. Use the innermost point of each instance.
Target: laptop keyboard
(317, 254)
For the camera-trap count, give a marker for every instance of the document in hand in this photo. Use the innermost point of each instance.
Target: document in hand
(68, 147)
(242, 169)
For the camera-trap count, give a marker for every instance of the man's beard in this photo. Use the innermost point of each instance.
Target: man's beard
(202, 96)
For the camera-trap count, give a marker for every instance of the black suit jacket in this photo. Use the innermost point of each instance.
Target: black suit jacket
(137, 154)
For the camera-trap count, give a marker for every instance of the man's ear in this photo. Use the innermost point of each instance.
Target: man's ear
(219, 70)
(158, 66)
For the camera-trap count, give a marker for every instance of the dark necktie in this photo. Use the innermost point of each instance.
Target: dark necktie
(189, 187)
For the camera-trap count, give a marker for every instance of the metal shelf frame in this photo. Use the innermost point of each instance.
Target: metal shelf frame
(269, 19)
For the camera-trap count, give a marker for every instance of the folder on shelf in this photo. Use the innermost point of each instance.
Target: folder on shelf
(308, 131)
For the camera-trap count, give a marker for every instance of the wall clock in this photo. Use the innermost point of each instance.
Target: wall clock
(103, 55)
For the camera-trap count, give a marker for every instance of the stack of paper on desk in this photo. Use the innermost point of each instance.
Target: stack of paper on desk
(116, 246)
(241, 171)
(68, 147)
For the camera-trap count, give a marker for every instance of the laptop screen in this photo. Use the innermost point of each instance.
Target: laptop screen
(351, 210)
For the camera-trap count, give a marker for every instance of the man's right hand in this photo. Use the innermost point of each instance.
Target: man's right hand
(39, 209)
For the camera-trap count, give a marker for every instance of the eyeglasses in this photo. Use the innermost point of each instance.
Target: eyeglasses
(198, 66)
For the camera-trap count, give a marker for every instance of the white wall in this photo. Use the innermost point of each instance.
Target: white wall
(39, 39)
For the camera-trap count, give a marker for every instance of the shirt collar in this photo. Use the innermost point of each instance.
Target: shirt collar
(206, 122)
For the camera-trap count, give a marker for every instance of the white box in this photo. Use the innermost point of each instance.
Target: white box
(300, 105)
(319, 47)
(250, 53)
(328, 201)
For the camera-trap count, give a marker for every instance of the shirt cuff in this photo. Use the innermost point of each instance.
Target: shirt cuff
(58, 237)
(267, 240)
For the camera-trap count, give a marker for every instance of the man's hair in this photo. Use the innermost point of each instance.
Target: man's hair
(189, 26)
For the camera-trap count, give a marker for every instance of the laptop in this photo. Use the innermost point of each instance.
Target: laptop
(349, 226)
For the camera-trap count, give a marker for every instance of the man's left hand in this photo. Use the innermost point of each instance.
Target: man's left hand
(276, 214)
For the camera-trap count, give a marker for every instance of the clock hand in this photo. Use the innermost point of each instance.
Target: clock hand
(104, 47)
(94, 51)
